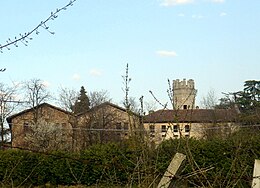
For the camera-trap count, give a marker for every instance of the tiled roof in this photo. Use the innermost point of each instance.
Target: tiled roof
(194, 115)
(103, 105)
(9, 119)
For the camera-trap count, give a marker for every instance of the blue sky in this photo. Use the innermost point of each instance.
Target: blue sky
(214, 42)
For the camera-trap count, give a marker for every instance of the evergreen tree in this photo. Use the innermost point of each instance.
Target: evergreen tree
(82, 103)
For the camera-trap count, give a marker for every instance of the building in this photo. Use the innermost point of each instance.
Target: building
(22, 123)
(184, 94)
(187, 120)
(49, 127)
(196, 123)
(105, 123)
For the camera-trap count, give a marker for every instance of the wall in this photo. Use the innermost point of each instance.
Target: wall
(196, 130)
(20, 123)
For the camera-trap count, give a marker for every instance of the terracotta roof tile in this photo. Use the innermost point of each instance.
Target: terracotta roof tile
(194, 115)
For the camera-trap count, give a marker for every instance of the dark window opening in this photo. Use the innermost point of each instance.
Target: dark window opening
(164, 128)
(152, 128)
(187, 128)
(176, 128)
(125, 126)
(185, 107)
(118, 126)
(27, 128)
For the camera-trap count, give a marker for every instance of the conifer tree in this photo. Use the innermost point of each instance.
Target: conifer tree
(82, 103)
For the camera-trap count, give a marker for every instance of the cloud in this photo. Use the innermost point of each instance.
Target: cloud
(76, 76)
(195, 16)
(165, 53)
(223, 14)
(181, 15)
(168, 3)
(95, 72)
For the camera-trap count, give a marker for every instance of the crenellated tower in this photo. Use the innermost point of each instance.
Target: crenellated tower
(184, 94)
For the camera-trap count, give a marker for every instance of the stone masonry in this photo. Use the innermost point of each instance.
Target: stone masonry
(184, 94)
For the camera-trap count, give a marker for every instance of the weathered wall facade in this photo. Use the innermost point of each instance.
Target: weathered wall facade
(104, 123)
(158, 132)
(21, 122)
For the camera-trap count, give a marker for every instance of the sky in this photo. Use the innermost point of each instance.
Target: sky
(214, 42)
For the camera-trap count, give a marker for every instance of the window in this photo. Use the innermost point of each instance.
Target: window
(152, 128)
(164, 129)
(118, 126)
(185, 107)
(26, 128)
(176, 128)
(125, 126)
(187, 128)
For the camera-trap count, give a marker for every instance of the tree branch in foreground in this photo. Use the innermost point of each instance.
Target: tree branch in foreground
(26, 37)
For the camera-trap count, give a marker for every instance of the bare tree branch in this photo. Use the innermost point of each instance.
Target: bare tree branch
(26, 37)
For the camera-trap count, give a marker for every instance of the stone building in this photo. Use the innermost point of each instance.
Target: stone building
(196, 123)
(184, 94)
(186, 120)
(49, 115)
(104, 123)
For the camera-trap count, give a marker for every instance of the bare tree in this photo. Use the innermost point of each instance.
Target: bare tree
(150, 106)
(98, 97)
(210, 101)
(67, 98)
(134, 105)
(7, 106)
(36, 94)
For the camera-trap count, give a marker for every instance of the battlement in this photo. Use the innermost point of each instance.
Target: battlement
(177, 84)
(184, 94)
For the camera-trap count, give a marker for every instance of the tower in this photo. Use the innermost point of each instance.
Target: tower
(184, 94)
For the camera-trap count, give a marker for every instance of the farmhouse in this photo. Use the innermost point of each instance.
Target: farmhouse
(54, 128)
(47, 114)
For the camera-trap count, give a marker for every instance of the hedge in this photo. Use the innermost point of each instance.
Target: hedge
(210, 163)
